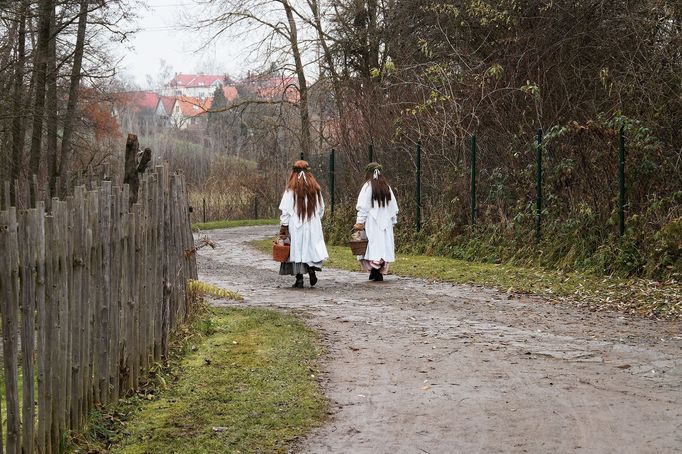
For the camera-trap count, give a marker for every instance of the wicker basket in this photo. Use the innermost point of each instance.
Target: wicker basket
(280, 251)
(358, 242)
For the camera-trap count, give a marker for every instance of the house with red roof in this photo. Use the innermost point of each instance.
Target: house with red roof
(189, 113)
(195, 85)
(164, 109)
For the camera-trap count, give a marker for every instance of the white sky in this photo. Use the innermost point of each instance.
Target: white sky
(162, 38)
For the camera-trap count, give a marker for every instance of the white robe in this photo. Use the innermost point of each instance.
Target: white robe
(307, 238)
(379, 223)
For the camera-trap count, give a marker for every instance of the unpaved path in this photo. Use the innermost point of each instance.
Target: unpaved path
(418, 367)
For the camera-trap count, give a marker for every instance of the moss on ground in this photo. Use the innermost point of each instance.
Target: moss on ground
(247, 384)
(633, 295)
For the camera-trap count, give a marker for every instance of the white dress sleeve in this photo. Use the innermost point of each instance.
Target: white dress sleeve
(394, 208)
(320, 207)
(285, 206)
(364, 203)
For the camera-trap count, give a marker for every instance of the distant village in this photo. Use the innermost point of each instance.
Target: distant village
(187, 99)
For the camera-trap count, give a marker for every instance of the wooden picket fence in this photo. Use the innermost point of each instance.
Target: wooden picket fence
(90, 293)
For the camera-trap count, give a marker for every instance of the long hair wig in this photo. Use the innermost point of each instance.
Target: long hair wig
(381, 191)
(306, 189)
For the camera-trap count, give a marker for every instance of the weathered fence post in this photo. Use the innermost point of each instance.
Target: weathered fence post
(473, 180)
(204, 211)
(418, 195)
(133, 168)
(255, 207)
(9, 278)
(538, 186)
(332, 176)
(621, 182)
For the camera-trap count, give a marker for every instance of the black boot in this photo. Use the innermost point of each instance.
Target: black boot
(299, 281)
(379, 277)
(373, 274)
(313, 277)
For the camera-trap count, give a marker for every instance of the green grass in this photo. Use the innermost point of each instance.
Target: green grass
(235, 223)
(248, 386)
(629, 295)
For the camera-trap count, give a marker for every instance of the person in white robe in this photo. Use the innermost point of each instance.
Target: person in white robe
(302, 210)
(377, 213)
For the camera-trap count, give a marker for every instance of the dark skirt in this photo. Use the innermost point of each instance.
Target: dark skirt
(291, 268)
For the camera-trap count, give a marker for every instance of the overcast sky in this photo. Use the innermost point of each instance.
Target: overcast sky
(161, 37)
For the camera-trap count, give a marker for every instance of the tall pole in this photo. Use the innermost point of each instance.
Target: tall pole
(332, 176)
(419, 186)
(473, 180)
(621, 175)
(370, 152)
(538, 186)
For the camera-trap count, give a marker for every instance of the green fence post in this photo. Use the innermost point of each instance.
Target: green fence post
(204, 211)
(419, 186)
(473, 180)
(370, 152)
(621, 175)
(331, 178)
(255, 207)
(538, 186)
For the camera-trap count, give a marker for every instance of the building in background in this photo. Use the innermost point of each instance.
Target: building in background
(195, 85)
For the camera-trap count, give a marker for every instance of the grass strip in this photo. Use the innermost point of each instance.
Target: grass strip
(234, 223)
(635, 295)
(247, 383)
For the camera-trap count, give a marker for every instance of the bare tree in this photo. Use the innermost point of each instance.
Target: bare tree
(46, 12)
(74, 89)
(18, 122)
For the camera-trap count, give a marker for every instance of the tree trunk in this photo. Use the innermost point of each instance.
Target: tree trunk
(46, 9)
(73, 94)
(51, 106)
(17, 101)
(302, 85)
(132, 170)
(336, 81)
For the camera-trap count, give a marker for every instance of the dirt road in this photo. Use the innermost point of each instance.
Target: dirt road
(418, 367)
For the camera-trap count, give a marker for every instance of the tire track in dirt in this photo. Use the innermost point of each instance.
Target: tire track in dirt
(414, 367)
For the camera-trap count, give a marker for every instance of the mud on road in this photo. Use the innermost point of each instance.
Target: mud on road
(420, 367)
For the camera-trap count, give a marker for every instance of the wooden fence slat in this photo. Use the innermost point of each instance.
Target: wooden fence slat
(76, 308)
(136, 269)
(42, 232)
(114, 308)
(91, 301)
(48, 341)
(28, 287)
(56, 320)
(9, 273)
(104, 297)
(146, 328)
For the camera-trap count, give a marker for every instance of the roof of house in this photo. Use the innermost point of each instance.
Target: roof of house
(167, 103)
(192, 107)
(139, 100)
(273, 87)
(196, 80)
